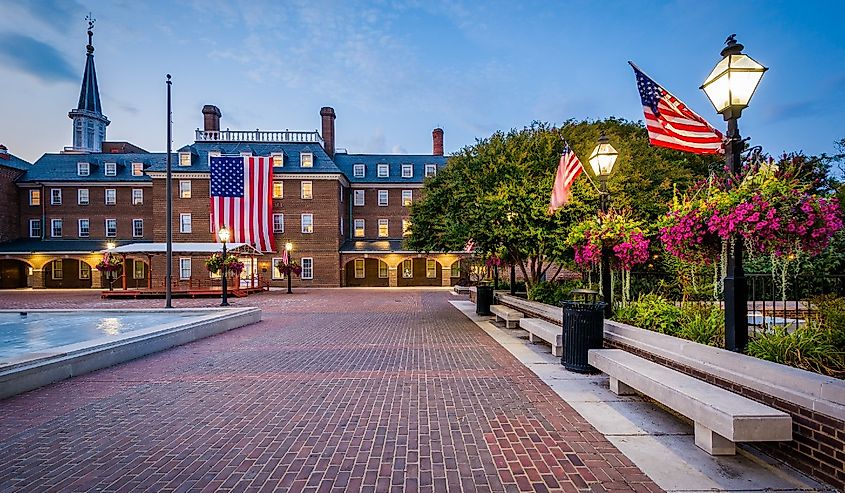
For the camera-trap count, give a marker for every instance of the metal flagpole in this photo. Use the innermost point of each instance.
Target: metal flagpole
(169, 220)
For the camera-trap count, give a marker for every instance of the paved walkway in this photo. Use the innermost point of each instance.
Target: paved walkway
(335, 390)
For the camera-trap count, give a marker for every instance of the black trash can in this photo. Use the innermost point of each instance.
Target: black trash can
(583, 329)
(483, 299)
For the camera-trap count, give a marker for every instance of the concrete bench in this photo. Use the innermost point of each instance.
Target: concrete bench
(509, 315)
(721, 417)
(547, 331)
(461, 289)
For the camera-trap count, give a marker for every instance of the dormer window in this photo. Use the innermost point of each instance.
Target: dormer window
(278, 159)
(111, 169)
(213, 154)
(383, 171)
(137, 169)
(430, 169)
(306, 160)
(358, 171)
(83, 169)
(184, 159)
(407, 171)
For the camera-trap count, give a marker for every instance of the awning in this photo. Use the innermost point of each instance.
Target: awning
(183, 248)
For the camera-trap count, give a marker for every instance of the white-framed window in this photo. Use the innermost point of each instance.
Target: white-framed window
(184, 268)
(55, 196)
(35, 197)
(110, 169)
(137, 269)
(82, 196)
(137, 169)
(35, 228)
(358, 197)
(84, 270)
(382, 269)
(185, 158)
(307, 264)
(359, 228)
(278, 159)
(56, 228)
(382, 198)
(455, 270)
(407, 268)
(430, 170)
(278, 223)
(358, 170)
(383, 171)
(383, 228)
(184, 189)
(306, 190)
(185, 222)
(111, 228)
(137, 228)
(274, 272)
(111, 196)
(278, 189)
(406, 227)
(57, 270)
(407, 171)
(84, 226)
(83, 169)
(407, 197)
(308, 223)
(431, 268)
(246, 154)
(360, 272)
(306, 160)
(137, 196)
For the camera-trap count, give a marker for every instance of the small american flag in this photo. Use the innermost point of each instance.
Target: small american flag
(567, 171)
(670, 123)
(241, 189)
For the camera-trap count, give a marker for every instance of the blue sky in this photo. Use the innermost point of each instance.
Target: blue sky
(393, 70)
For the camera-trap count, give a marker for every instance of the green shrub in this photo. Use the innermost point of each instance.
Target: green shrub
(651, 312)
(829, 315)
(810, 348)
(703, 323)
(553, 292)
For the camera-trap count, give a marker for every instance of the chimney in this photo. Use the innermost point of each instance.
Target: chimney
(437, 141)
(211, 118)
(4, 152)
(328, 116)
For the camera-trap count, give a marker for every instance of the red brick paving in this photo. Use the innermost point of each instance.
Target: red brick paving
(335, 390)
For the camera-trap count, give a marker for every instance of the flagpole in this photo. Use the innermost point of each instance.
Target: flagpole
(169, 216)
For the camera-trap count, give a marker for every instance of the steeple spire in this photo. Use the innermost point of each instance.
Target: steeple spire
(89, 123)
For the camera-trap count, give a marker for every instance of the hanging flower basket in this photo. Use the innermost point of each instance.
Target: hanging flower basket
(215, 264)
(109, 263)
(618, 232)
(289, 268)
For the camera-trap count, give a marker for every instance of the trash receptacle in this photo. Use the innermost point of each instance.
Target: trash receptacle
(483, 299)
(583, 329)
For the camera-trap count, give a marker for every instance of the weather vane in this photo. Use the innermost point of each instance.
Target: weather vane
(91, 20)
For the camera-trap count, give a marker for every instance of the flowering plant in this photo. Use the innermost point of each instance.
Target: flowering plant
(289, 268)
(215, 264)
(618, 232)
(109, 263)
(494, 261)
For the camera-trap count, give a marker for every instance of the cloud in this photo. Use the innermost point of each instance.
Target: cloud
(54, 14)
(35, 58)
(398, 149)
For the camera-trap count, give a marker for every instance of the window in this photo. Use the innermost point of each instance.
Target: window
(359, 268)
(274, 272)
(382, 269)
(137, 196)
(84, 228)
(431, 268)
(407, 197)
(456, 269)
(407, 171)
(83, 169)
(341, 227)
(111, 227)
(213, 153)
(84, 271)
(407, 268)
(306, 160)
(278, 223)
(306, 190)
(185, 159)
(184, 189)
(35, 228)
(185, 223)
(56, 228)
(184, 268)
(57, 273)
(383, 228)
(307, 265)
(308, 223)
(246, 154)
(382, 198)
(278, 159)
(137, 169)
(55, 196)
(278, 189)
(137, 228)
(82, 196)
(35, 197)
(406, 227)
(110, 169)
(358, 171)
(430, 170)
(358, 197)
(359, 228)
(383, 171)
(137, 269)
(111, 196)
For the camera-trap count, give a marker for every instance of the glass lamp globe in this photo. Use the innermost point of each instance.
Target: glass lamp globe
(603, 157)
(733, 80)
(223, 234)
(288, 246)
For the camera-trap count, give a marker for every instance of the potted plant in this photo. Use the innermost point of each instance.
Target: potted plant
(109, 265)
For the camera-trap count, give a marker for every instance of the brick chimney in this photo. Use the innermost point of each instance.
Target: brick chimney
(4, 152)
(437, 141)
(211, 118)
(328, 116)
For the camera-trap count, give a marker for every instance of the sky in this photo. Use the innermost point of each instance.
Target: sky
(394, 70)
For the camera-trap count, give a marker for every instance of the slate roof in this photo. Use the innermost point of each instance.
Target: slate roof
(62, 167)
(34, 245)
(291, 151)
(346, 163)
(15, 162)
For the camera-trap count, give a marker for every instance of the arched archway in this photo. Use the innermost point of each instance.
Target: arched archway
(13, 273)
(137, 273)
(419, 271)
(371, 272)
(67, 273)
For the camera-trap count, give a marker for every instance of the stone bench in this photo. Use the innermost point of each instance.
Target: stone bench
(461, 289)
(509, 315)
(721, 417)
(547, 331)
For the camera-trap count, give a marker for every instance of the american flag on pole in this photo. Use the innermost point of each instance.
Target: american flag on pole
(241, 191)
(567, 171)
(285, 256)
(670, 123)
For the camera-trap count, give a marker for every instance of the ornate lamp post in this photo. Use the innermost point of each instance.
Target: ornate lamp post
(223, 236)
(602, 160)
(288, 249)
(729, 87)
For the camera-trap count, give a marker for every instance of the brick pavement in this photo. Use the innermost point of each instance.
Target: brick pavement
(335, 390)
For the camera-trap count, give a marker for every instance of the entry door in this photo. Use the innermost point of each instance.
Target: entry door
(246, 275)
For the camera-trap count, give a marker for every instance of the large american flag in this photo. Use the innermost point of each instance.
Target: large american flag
(567, 171)
(241, 199)
(670, 123)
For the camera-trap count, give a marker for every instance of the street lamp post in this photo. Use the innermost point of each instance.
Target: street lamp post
(223, 236)
(288, 249)
(602, 160)
(729, 87)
